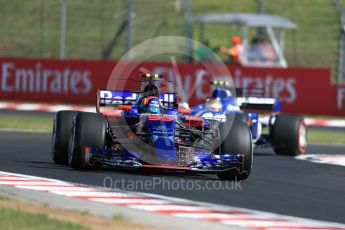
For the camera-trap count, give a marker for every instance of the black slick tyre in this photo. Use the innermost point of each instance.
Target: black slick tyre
(60, 136)
(289, 135)
(236, 139)
(89, 130)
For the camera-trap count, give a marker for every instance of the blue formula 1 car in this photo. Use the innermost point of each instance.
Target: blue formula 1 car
(287, 134)
(146, 129)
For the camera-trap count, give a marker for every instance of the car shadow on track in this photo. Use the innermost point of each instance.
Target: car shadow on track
(130, 171)
(42, 164)
(159, 172)
(140, 171)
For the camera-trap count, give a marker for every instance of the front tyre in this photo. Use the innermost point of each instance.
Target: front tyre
(89, 130)
(236, 141)
(289, 135)
(237, 117)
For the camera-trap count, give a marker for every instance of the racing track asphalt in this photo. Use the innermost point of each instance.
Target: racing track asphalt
(277, 184)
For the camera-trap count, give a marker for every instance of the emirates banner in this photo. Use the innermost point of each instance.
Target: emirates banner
(303, 90)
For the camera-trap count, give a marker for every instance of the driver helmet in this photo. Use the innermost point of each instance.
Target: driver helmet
(151, 105)
(214, 105)
(221, 93)
(183, 105)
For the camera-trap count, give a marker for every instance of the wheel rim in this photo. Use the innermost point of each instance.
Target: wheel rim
(251, 152)
(53, 140)
(71, 147)
(302, 137)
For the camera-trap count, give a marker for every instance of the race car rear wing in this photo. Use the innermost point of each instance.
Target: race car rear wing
(116, 98)
(250, 92)
(253, 99)
(259, 104)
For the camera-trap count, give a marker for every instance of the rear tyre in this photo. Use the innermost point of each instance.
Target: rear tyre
(289, 135)
(236, 141)
(60, 137)
(89, 130)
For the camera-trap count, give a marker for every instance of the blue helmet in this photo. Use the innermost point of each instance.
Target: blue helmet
(221, 93)
(152, 105)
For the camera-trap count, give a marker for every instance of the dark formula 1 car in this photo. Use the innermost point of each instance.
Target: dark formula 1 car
(146, 129)
(287, 134)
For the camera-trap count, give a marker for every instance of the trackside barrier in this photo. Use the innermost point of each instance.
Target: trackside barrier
(302, 90)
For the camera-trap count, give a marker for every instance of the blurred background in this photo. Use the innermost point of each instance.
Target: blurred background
(84, 34)
(98, 29)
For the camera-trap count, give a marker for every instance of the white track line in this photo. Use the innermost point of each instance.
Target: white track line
(56, 189)
(93, 194)
(24, 130)
(172, 207)
(130, 201)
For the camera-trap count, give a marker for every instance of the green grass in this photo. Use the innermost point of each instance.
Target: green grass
(25, 121)
(118, 217)
(31, 27)
(318, 136)
(326, 137)
(13, 219)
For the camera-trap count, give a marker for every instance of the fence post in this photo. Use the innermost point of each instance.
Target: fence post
(341, 42)
(188, 31)
(261, 8)
(341, 49)
(63, 28)
(129, 25)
